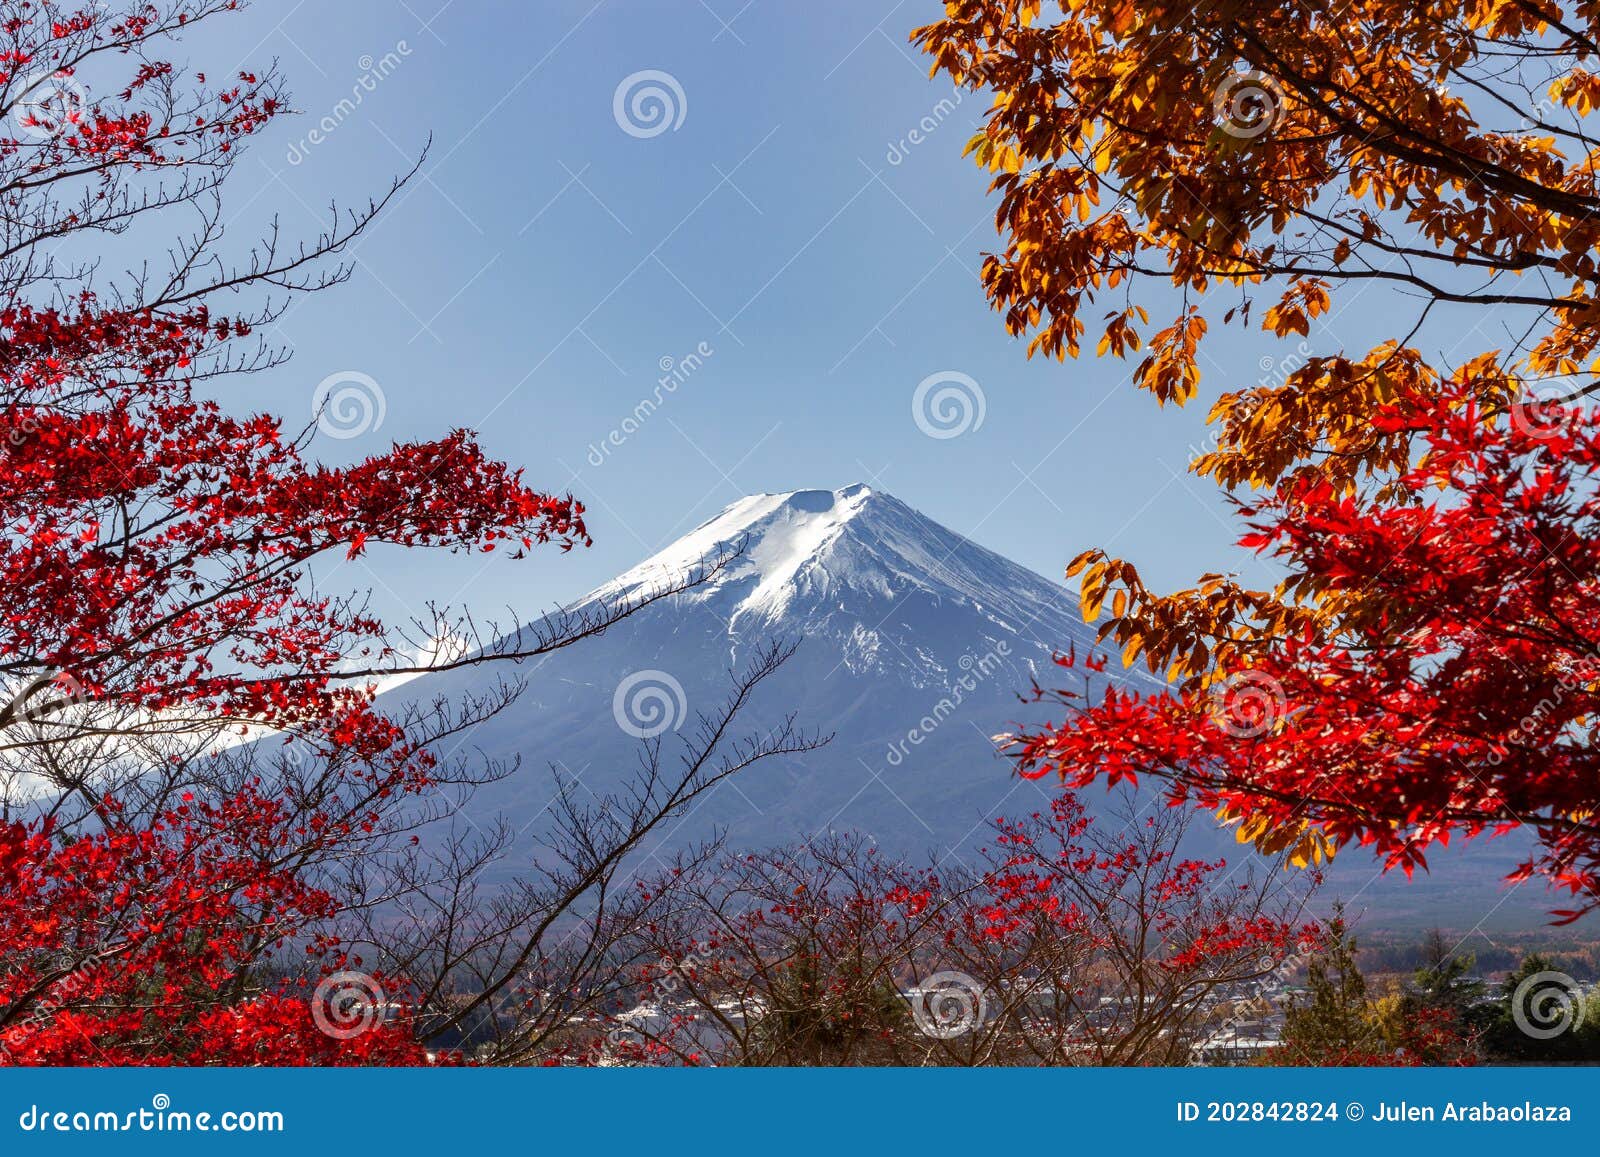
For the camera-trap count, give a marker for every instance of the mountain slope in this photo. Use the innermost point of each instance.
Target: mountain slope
(915, 644)
(863, 569)
(906, 629)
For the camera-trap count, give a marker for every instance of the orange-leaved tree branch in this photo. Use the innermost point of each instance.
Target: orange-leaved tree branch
(1425, 668)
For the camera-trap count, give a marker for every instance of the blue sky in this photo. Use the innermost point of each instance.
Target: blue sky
(535, 275)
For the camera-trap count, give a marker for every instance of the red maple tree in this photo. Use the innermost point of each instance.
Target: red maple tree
(1424, 667)
(154, 563)
(1455, 692)
(1076, 940)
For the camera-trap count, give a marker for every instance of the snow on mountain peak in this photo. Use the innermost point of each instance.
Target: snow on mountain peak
(778, 534)
(827, 549)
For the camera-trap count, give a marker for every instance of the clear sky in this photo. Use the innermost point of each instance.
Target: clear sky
(533, 279)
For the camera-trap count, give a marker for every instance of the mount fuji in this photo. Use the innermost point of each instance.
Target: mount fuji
(914, 643)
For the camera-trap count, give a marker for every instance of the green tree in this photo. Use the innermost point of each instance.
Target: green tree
(1543, 1017)
(1445, 981)
(1335, 1024)
(823, 1007)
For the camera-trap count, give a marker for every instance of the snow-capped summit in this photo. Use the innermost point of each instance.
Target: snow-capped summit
(915, 644)
(851, 563)
(906, 629)
(782, 538)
